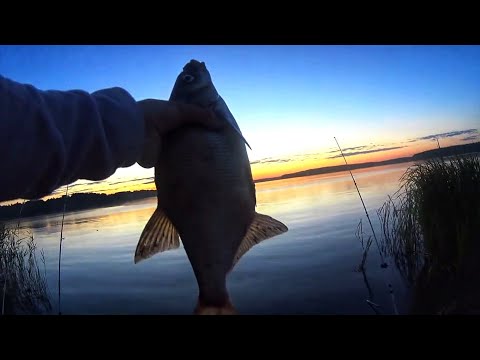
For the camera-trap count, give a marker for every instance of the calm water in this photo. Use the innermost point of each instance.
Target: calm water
(308, 270)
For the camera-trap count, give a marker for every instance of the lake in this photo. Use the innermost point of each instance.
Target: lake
(311, 269)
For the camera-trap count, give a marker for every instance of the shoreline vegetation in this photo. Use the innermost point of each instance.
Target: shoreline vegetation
(23, 278)
(431, 229)
(88, 201)
(76, 202)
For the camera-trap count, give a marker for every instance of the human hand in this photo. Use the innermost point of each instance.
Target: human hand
(162, 116)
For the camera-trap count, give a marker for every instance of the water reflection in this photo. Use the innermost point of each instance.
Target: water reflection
(309, 270)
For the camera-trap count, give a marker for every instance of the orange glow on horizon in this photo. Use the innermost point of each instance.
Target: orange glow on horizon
(274, 169)
(271, 167)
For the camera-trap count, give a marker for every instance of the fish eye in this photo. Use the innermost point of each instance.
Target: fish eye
(188, 78)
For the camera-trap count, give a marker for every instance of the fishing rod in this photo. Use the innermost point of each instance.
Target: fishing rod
(60, 250)
(384, 264)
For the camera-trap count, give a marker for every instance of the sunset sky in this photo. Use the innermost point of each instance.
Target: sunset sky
(380, 102)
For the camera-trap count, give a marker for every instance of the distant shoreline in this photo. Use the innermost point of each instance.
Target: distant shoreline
(447, 151)
(89, 201)
(75, 202)
(335, 169)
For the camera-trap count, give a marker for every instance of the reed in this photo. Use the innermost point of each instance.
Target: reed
(24, 286)
(365, 245)
(431, 227)
(435, 215)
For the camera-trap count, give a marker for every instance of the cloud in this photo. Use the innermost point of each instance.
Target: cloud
(296, 157)
(471, 137)
(101, 186)
(446, 135)
(61, 190)
(365, 149)
(269, 160)
(150, 178)
(351, 148)
(365, 152)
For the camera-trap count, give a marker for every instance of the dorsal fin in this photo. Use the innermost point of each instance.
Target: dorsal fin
(221, 110)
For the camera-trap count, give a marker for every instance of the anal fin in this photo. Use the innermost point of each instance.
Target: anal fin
(263, 227)
(158, 235)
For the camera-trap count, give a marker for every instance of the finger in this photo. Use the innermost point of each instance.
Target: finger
(150, 152)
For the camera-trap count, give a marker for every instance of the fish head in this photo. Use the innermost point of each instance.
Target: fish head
(194, 85)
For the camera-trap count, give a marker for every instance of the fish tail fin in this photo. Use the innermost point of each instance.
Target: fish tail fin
(226, 309)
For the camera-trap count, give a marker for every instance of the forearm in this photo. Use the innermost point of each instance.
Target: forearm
(52, 138)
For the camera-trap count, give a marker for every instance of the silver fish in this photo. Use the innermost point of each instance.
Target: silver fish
(206, 195)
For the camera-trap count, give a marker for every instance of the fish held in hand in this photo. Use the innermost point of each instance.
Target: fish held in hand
(206, 195)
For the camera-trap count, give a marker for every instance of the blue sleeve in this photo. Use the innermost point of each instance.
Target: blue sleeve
(52, 138)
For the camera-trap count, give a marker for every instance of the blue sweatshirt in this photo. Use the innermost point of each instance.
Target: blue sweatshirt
(52, 138)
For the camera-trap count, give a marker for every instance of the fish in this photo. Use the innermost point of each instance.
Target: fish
(206, 195)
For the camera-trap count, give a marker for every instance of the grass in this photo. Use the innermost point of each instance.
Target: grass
(431, 228)
(402, 236)
(23, 286)
(362, 268)
(365, 246)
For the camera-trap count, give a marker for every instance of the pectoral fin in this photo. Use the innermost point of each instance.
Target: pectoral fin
(158, 235)
(262, 227)
(221, 109)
